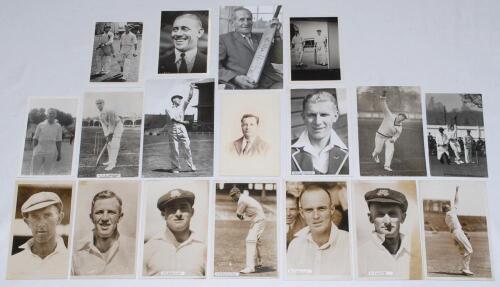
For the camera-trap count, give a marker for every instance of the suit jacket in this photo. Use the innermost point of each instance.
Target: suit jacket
(338, 161)
(258, 147)
(166, 64)
(236, 55)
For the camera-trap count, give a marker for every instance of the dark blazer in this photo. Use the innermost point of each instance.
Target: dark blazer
(302, 161)
(258, 147)
(166, 64)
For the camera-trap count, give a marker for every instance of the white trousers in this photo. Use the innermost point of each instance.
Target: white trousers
(114, 145)
(179, 143)
(464, 246)
(103, 63)
(253, 243)
(468, 155)
(43, 163)
(380, 142)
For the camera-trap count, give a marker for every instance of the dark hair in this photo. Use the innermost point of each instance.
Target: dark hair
(105, 194)
(249, 116)
(291, 196)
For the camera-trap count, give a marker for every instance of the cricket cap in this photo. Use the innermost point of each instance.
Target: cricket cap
(387, 195)
(40, 200)
(173, 195)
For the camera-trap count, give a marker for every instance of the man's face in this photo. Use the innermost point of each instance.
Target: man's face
(43, 222)
(249, 127)
(319, 118)
(51, 116)
(243, 22)
(319, 32)
(316, 209)
(291, 210)
(400, 118)
(235, 197)
(127, 29)
(185, 32)
(387, 218)
(106, 29)
(176, 101)
(178, 215)
(100, 105)
(105, 216)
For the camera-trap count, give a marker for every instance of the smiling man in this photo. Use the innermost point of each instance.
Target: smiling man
(187, 29)
(106, 251)
(250, 143)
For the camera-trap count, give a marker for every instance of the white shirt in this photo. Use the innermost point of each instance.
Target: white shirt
(109, 121)
(47, 136)
(388, 127)
(297, 42)
(176, 112)
(189, 57)
(250, 207)
(452, 221)
(320, 41)
(333, 258)
(128, 42)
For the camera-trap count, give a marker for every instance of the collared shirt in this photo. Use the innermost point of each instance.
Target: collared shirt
(374, 260)
(111, 37)
(322, 158)
(118, 260)
(320, 41)
(47, 135)
(165, 256)
(388, 127)
(27, 265)
(248, 39)
(297, 42)
(176, 112)
(333, 258)
(250, 207)
(246, 145)
(128, 42)
(189, 57)
(109, 120)
(452, 221)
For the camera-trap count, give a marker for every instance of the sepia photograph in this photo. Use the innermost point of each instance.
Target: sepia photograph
(111, 135)
(319, 132)
(50, 135)
(250, 135)
(250, 47)
(391, 130)
(116, 53)
(178, 128)
(456, 230)
(455, 135)
(245, 230)
(175, 229)
(40, 230)
(317, 231)
(184, 40)
(105, 231)
(314, 48)
(387, 230)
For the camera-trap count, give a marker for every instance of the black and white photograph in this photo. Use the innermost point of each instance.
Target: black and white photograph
(319, 132)
(40, 230)
(455, 135)
(49, 138)
(245, 230)
(116, 52)
(314, 48)
(105, 234)
(250, 47)
(387, 230)
(250, 135)
(317, 231)
(390, 131)
(456, 230)
(184, 42)
(175, 228)
(178, 128)
(111, 134)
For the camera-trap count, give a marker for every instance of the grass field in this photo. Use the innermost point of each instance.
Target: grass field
(127, 163)
(444, 259)
(409, 155)
(63, 167)
(156, 152)
(466, 170)
(114, 67)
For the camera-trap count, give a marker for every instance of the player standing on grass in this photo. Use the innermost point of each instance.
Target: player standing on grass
(128, 41)
(112, 127)
(460, 238)
(453, 141)
(47, 145)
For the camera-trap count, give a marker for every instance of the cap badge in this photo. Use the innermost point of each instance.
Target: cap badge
(383, 192)
(175, 194)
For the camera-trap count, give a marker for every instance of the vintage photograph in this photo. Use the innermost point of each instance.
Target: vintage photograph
(456, 230)
(319, 132)
(387, 230)
(178, 128)
(314, 48)
(176, 228)
(40, 230)
(116, 53)
(390, 128)
(250, 47)
(105, 233)
(184, 40)
(455, 135)
(245, 230)
(111, 134)
(50, 134)
(317, 231)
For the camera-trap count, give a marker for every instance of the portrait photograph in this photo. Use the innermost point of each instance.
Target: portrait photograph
(111, 134)
(314, 48)
(105, 234)
(250, 47)
(318, 244)
(184, 41)
(40, 230)
(116, 52)
(387, 230)
(50, 135)
(457, 245)
(319, 132)
(245, 230)
(250, 135)
(178, 128)
(175, 228)
(391, 130)
(455, 135)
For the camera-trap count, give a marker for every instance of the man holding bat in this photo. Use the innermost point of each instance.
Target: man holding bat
(112, 127)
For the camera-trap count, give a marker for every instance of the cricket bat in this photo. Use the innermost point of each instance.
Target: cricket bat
(101, 153)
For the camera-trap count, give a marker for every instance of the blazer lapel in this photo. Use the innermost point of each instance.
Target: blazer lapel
(242, 41)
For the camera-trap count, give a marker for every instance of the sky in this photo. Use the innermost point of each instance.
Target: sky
(123, 103)
(67, 105)
(450, 101)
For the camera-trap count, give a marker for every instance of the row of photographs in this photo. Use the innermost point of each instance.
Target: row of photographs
(190, 228)
(180, 126)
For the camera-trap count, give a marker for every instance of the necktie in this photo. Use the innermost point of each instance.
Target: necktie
(183, 67)
(247, 147)
(249, 40)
